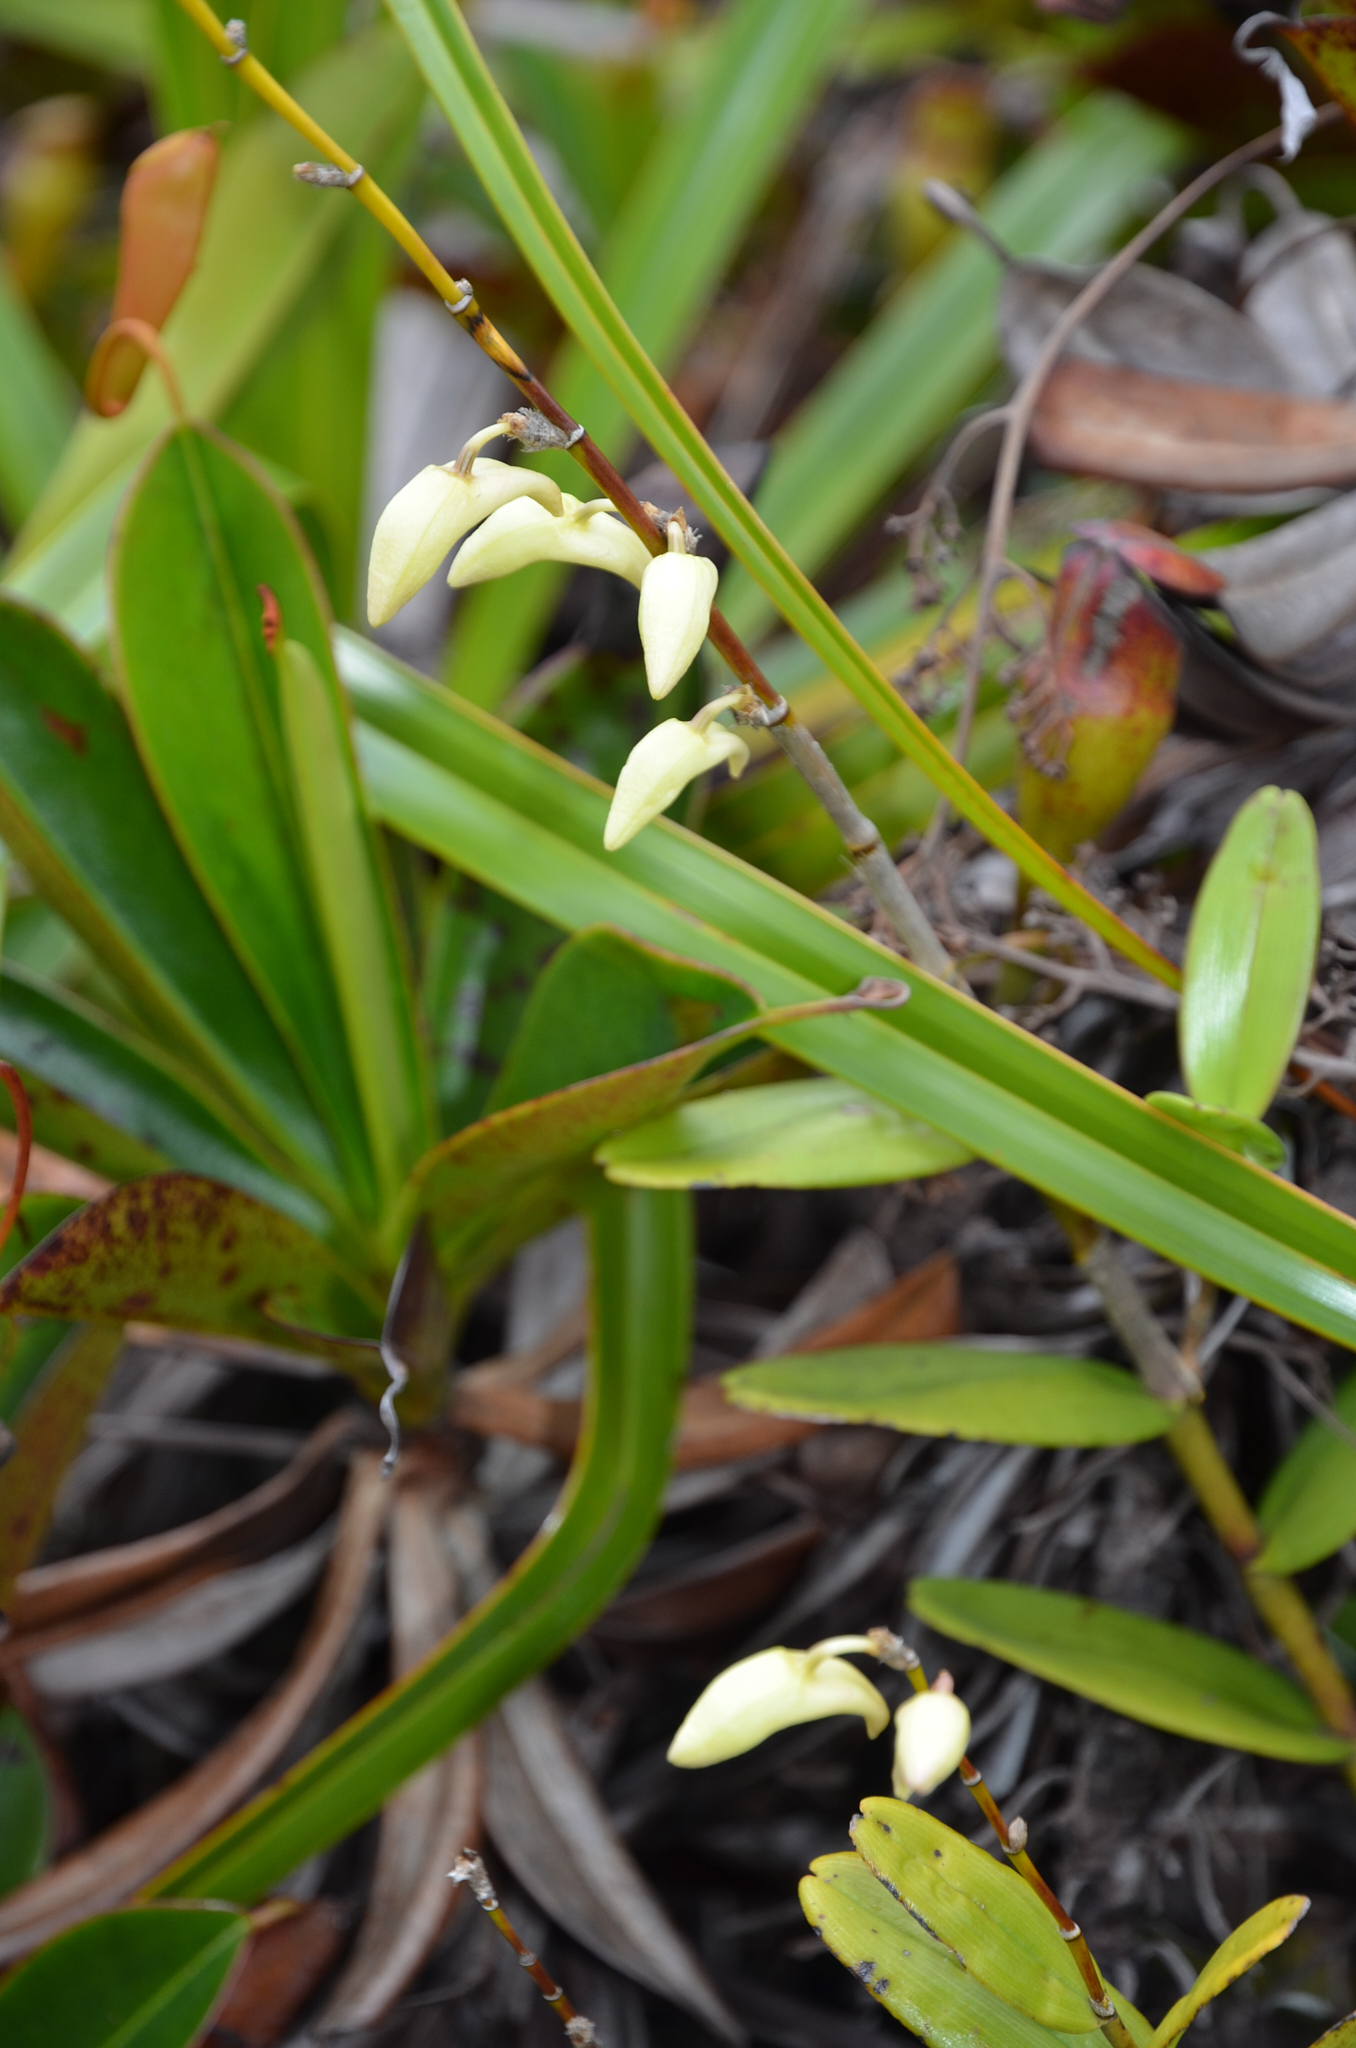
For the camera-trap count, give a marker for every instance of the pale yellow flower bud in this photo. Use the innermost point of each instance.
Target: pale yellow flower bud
(774, 1689)
(430, 516)
(931, 1733)
(676, 595)
(522, 532)
(663, 763)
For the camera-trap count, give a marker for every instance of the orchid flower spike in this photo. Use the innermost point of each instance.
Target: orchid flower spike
(676, 595)
(931, 1733)
(432, 513)
(525, 531)
(775, 1689)
(664, 762)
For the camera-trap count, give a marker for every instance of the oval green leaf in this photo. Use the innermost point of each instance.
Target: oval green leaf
(1250, 954)
(25, 1803)
(991, 1921)
(995, 1397)
(791, 1134)
(909, 1972)
(147, 1978)
(1309, 1508)
(1152, 1671)
(1256, 1938)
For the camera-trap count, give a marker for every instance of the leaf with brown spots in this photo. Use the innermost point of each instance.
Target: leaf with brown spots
(174, 1248)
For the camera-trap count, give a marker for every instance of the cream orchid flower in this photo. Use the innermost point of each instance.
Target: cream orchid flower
(432, 513)
(676, 595)
(774, 1689)
(931, 1733)
(664, 762)
(587, 534)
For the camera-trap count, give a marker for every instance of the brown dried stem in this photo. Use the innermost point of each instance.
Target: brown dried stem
(470, 1869)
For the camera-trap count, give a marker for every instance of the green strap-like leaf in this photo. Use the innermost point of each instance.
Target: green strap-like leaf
(1309, 1508)
(642, 1267)
(461, 83)
(200, 534)
(501, 809)
(353, 906)
(146, 1978)
(77, 810)
(1153, 1671)
(995, 1397)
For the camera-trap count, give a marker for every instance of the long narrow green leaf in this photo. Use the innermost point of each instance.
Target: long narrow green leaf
(77, 810)
(201, 535)
(642, 1263)
(355, 917)
(683, 218)
(113, 33)
(927, 352)
(1309, 1508)
(37, 404)
(496, 805)
(459, 80)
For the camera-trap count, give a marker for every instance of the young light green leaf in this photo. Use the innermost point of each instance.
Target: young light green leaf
(1246, 1135)
(25, 1803)
(150, 1977)
(1152, 1671)
(904, 1967)
(354, 910)
(1250, 954)
(985, 1914)
(790, 1134)
(997, 1397)
(1257, 1937)
(1309, 1508)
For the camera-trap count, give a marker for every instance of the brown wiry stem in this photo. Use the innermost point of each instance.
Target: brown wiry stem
(862, 841)
(470, 1869)
(1018, 414)
(1012, 1836)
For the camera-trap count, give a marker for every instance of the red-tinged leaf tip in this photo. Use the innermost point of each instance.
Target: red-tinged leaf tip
(271, 621)
(1172, 568)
